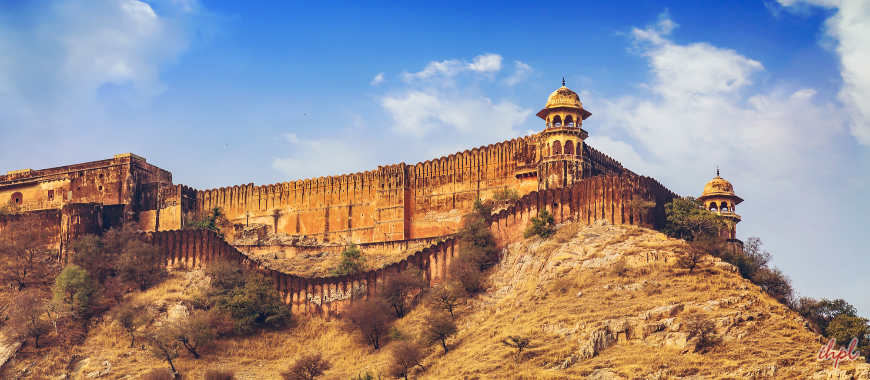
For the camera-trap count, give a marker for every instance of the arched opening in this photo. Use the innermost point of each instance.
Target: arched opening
(557, 147)
(569, 121)
(724, 207)
(569, 147)
(548, 122)
(713, 207)
(17, 198)
(557, 121)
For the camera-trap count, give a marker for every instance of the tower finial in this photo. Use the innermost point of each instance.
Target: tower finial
(563, 81)
(717, 171)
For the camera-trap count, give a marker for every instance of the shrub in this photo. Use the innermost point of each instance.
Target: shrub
(404, 357)
(447, 296)
(130, 318)
(215, 220)
(225, 276)
(140, 263)
(822, 313)
(257, 303)
(703, 329)
(619, 268)
(477, 242)
(398, 288)
(371, 317)
(352, 262)
(542, 225)
(158, 374)
(219, 374)
(775, 283)
(307, 367)
(438, 327)
(468, 273)
(89, 252)
(506, 194)
(639, 205)
(75, 288)
(518, 343)
(481, 210)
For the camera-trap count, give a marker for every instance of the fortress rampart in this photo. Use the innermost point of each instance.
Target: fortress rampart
(601, 197)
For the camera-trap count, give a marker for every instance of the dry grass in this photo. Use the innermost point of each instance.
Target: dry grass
(540, 307)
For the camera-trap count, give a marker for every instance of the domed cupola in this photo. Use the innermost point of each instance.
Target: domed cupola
(564, 109)
(719, 197)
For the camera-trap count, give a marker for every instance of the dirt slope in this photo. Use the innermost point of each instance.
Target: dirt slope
(597, 302)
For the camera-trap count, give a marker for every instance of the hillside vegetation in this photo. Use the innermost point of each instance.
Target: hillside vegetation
(593, 302)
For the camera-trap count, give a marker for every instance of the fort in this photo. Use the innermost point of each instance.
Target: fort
(395, 206)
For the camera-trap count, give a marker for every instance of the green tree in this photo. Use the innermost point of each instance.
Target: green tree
(481, 209)
(256, 303)
(215, 220)
(477, 242)
(844, 328)
(542, 225)
(687, 219)
(352, 261)
(75, 288)
(438, 327)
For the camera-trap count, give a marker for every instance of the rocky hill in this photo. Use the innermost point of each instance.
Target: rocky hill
(596, 302)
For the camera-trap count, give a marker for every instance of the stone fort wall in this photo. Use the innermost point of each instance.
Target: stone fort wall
(601, 197)
(396, 202)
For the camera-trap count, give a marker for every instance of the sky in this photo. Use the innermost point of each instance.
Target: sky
(776, 94)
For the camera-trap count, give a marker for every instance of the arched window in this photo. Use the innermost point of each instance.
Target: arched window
(569, 147)
(557, 147)
(724, 207)
(713, 206)
(569, 121)
(17, 198)
(557, 121)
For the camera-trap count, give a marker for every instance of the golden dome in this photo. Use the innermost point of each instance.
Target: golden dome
(563, 97)
(718, 186)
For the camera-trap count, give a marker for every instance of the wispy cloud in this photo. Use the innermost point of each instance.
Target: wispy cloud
(378, 79)
(485, 64)
(850, 28)
(522, 72)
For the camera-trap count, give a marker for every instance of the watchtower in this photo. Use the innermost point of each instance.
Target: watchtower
(560, 145)
(719, 197)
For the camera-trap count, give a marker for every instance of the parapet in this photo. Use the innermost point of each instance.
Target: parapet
(131, 155)
(19, 171)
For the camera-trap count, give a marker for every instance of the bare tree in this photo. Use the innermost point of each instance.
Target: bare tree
(26, 252)
(517, 342)
(26, 316)
(447, 296)
(406, 355)
(164, 346)
(371, 317)
(195, 333)
(398, 288)
(130, 318)
(438, 327)
(307, 367)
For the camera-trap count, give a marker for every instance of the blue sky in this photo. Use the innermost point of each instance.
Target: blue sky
(777, 94)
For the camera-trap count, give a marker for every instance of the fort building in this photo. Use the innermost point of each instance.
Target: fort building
(390, 203)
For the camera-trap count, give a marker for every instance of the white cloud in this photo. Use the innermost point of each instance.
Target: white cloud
(64, 55)
(315, 158)
(521, 73)
(378, 79)
(418, 112)
(850, 27)
(486, 64)
(696, 116)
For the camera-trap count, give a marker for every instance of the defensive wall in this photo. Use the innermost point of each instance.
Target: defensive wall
(396, 202)
(602, 197)
(71, 221)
